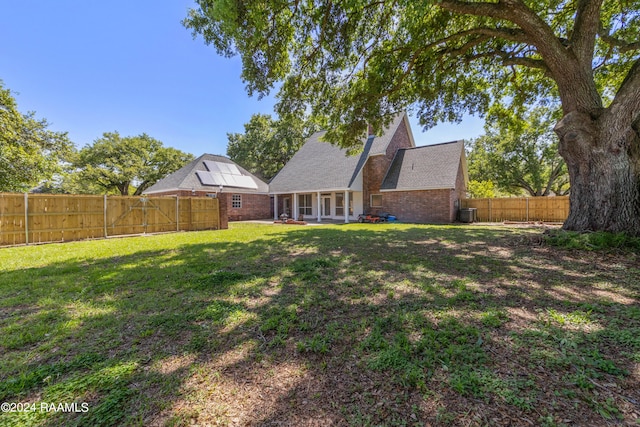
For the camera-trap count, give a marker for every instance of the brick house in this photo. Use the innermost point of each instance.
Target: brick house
(242, 195)
(390, 175)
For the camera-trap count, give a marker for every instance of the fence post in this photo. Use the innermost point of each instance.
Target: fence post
(490, 216)
(104, 216)
(190, 213)
(527, 199)
(26, 218)
(177, 213)
(144, 213)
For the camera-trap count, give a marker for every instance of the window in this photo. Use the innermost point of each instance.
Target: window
(236, 201)
(376, 200)
(340, 204)
(304, 204)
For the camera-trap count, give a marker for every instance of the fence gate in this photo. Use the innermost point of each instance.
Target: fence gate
(160, 214)
(125, 216)
(136, 215)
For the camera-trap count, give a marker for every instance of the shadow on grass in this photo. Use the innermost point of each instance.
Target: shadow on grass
(356, 325)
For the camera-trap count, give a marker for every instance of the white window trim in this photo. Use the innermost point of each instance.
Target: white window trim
(236, 199)
(308, 210)
(339, 207)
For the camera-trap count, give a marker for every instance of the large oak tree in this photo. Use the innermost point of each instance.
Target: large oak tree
(119, 163)
(356, 61)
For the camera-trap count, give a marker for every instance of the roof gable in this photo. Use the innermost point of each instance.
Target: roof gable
(425, 168)
(380, 143)
(321, 166)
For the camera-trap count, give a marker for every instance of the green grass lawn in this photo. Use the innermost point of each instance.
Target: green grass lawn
(359, 325)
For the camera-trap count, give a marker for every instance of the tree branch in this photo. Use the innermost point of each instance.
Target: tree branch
(486, 33)
(526, 62)
(493, 10)
(525, 186)
(622, 45)
(629, 93)
(510, 34)
(462, 50)
(583, 39)
(538, 33)
(553, 176)
(509, 59)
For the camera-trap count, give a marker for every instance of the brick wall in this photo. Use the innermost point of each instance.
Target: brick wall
(254, 206)
(376, 167)
(459, 193)
(224, 217)
(424, 206)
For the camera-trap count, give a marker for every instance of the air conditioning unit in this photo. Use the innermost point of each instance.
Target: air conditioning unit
(468, 215)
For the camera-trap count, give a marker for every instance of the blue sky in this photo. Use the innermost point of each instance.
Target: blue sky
(91, 67)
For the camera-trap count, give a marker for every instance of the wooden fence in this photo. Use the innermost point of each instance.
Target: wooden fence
(40, 218)
(547, 209)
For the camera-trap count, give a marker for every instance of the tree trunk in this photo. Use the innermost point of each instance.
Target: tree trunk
(603, 158)
(123, 188)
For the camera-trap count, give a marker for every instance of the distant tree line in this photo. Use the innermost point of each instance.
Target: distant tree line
(517, 155)
(31, 156)
(267, 144)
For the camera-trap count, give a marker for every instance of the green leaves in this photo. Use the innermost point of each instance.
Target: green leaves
(29, 152)
(519, 154)
(120, 163)
(481, 189)
(268, 144)
(351, 63)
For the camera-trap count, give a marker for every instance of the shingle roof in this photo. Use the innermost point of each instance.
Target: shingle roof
(425, 168)
(186, 178)
(321, 166)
